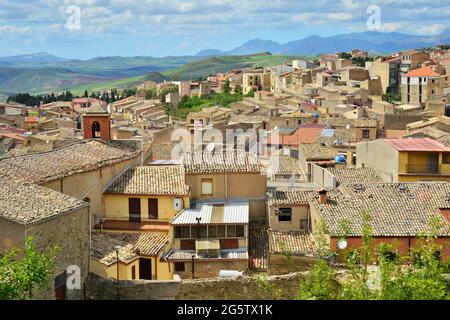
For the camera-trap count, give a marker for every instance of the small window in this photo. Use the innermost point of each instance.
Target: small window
(220, 231)
(446, 158)
(192, 121)
(192, 131)
(207, 187)
(185, 232)
(285, 214)
(365, 134)
(133, 272)
(212, 231)
(231, 231)
(177, 232)
(179, 266)
(240, 231)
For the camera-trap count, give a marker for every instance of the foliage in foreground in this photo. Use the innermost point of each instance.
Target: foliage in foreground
(20, 278)
(417, 277)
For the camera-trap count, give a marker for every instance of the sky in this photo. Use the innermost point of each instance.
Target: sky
(82, 29)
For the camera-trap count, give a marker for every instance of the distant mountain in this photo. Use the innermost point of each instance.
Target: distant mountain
(155, 77)
(372, 41)
(255, 46)
(30, 60)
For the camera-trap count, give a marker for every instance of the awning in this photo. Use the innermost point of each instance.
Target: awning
(207, 244)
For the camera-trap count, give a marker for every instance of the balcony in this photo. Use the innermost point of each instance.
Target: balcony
(422, 168)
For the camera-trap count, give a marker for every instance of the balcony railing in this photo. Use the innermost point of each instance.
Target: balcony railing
(423, 168)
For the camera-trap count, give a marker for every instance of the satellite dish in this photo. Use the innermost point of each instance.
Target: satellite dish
(342, 244)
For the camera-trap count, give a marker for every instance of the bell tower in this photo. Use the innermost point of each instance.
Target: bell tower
(97, 123)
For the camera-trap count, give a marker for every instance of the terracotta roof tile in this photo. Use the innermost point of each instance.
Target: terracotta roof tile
(220, 162)
(151, 180)
(395, 209)
(422, 72)
(27, 203)
(69, 160)
(296, 242)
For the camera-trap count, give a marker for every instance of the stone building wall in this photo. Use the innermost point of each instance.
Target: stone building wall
(244, 288)
(70, 233)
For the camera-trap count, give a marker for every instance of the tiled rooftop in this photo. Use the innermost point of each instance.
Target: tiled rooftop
(342, 122)
(72, 159)
(103, 249)
(258, 245)
(291, 198)
(151, 180)
(296, 242)
(318, 151)
(282, 164)
(221, 162)
(396, 209)
(355, 175)
(27, 203)
(145, 243)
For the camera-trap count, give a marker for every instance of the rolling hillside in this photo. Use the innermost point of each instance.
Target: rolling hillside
(22, 74)
(195, 70)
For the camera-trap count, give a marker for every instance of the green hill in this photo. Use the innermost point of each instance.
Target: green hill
(195, 70)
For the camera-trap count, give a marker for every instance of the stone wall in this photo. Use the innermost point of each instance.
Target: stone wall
(70, 233)
(243, 288)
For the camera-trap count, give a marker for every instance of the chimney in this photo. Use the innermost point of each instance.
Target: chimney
(323, 196)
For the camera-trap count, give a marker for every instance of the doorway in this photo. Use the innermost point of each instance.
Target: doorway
(134, 209)
(153, 208)
(145, 269)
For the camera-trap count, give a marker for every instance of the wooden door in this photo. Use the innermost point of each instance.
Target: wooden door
(145, 269)
(153, 208)
(134, 209)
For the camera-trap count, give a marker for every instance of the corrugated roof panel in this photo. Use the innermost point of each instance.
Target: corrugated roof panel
(232, 212)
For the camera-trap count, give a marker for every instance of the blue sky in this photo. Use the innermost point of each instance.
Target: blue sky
(184, 27)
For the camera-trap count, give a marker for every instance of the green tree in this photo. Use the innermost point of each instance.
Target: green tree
(20, 278)
(226, 87)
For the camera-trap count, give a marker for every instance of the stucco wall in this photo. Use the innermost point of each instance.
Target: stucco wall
(380, 157)
(116, 206)
(239, 185)
(298, 213)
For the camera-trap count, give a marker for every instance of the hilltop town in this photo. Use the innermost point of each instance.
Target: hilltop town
(113, 186)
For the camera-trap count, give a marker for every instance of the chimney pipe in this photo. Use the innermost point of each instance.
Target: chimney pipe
(323, 198)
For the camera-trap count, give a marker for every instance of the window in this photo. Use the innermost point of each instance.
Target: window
(177, 232)
(299, 122)
(240, 231)
(207, 187)
(365, 133)
(198, 231)
(446, 158)
(179, 266)
(220, 231)
(192, 131)
(231, 231)
(212, 231)
(192, 121)
(133, 272)
(185, 232)
(285, 214)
